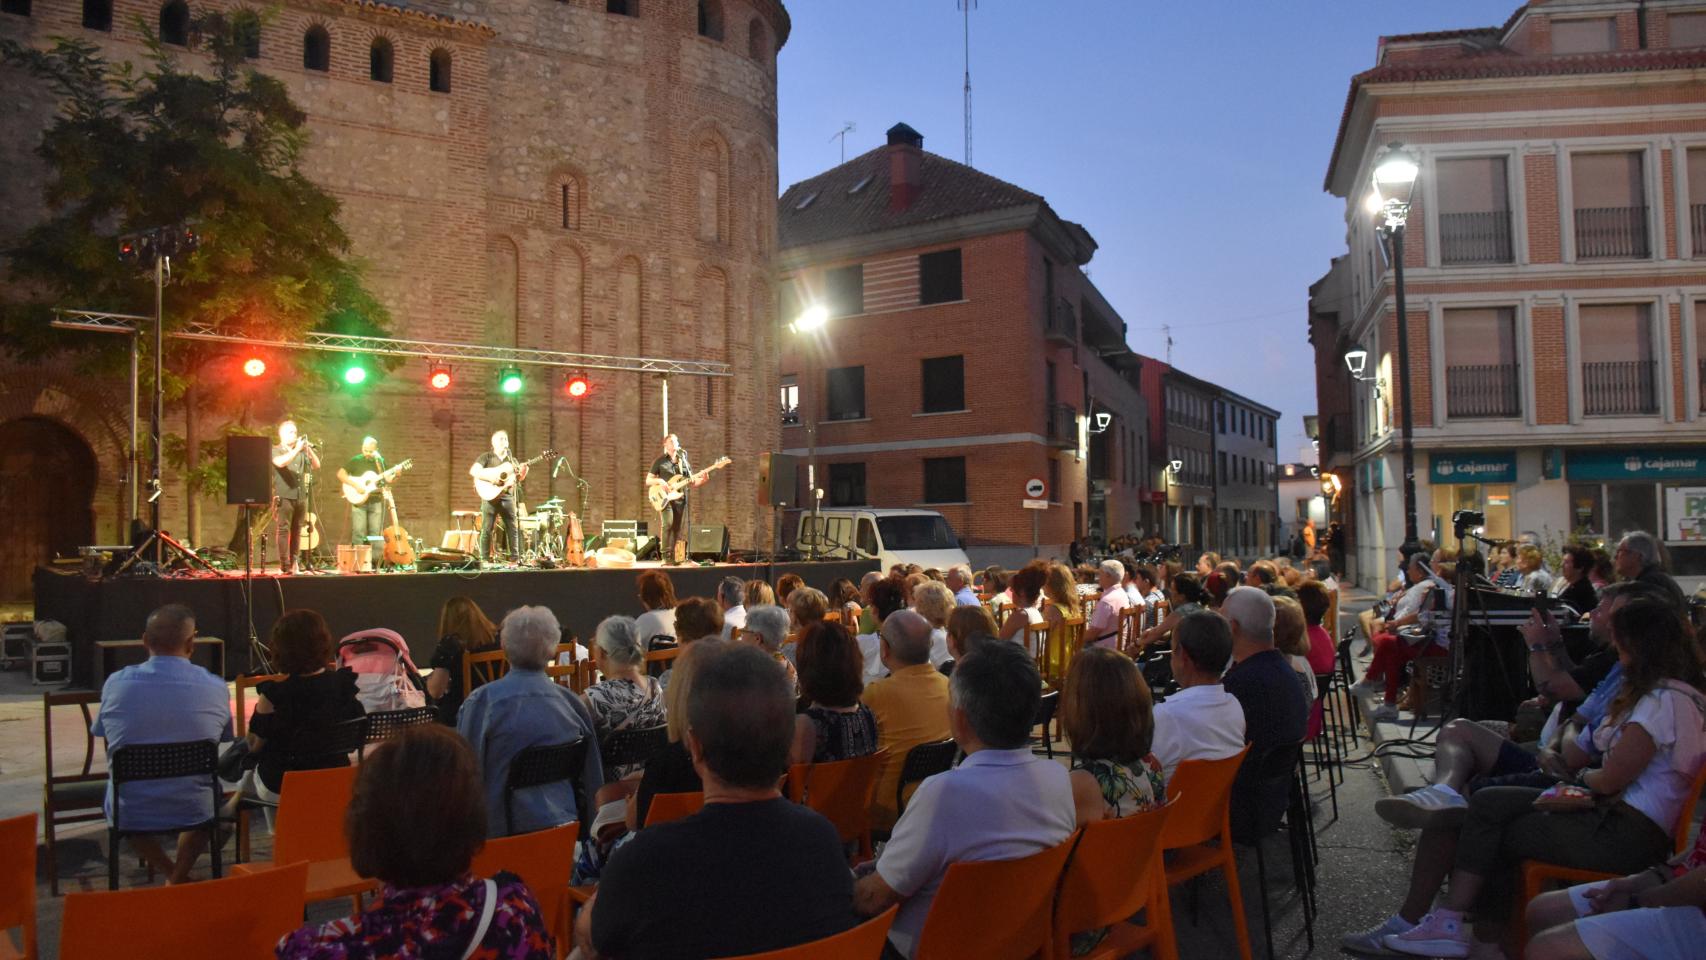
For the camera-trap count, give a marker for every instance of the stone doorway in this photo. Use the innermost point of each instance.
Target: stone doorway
(47, 492)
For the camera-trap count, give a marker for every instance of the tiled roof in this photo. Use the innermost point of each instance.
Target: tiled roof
(378, 6)
(949, 190)
(1442, 35)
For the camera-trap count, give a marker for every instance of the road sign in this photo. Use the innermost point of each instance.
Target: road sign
(1035, 504)
(1035, 488)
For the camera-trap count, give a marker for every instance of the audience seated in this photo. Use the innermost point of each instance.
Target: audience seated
(867, 615)
(1201, 721)
(522, 709)
(462, 629)
(758, 594)
(886, 596)
(966, 626)
(657, 596)
(1291, 638)
(958, 580)
(1657, 914)
(1108, 716)
(671, 769)
(1186, 598)
(805, 605)
(1103, 626)
(1317, 601)
(767, 628)
(625, 699)
(1391, 649)
(910, 704)
(415, 821)
(1061, 601)
(1026, 590)
(935, 603)
(1207, 563)
(786, 584)
(842, 595)
(695, 619)
(731, 600)
(1275, 709)
(1000, 803)
(164, 699)
(1638, 558)
(835, 724)
(751, 871)
(1262, 573)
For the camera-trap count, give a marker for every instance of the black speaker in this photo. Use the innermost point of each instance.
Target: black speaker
(776, 479)
(708, 542)
(248, 470)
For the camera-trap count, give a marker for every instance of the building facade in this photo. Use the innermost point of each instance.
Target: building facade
(1189, 443)
(592, 176)
(1556, 281)
(1246, 477)
(965, 353)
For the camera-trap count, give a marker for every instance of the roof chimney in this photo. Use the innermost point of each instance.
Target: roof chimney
(906, 160)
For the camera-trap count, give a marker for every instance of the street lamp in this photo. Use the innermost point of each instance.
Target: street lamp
(1394, 183)
(812, 320)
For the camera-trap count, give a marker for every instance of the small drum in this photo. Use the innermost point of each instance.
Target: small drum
(463, 540)
(355, 559)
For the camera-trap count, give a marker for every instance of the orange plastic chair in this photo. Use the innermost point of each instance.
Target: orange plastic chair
(486, 666)
(863, 942)
(310, 827)
(1192, 826)
(673, 806)
(1537, 873)
(1114, 872)
(994, 909)
(237, 916)
(18, 884)
(842, 791)
(543, 860)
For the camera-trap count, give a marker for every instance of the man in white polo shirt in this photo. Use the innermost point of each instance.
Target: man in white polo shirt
(1202, 721)
(1000, 803)
(1103, 630)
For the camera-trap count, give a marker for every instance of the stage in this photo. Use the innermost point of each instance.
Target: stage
(114, 609)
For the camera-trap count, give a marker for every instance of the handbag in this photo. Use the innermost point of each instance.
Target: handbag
(235, 760)
(486, 910)
(1565, 798)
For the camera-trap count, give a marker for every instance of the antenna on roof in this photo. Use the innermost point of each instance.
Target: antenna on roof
(967, 6)
(1167, 332)
(841, 135)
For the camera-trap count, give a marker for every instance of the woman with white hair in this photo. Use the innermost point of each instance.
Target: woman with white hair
(935, 602)
(767, 628)
(626, 698)
(522, 709)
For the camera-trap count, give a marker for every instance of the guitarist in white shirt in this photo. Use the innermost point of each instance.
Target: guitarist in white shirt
(672, 463)
(499, 508)
(365, 519)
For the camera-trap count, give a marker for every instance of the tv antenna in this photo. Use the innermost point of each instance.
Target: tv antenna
(1167, 332)
(841, 135)
(967, 6)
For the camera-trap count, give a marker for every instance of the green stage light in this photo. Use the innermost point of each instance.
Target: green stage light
(355, 374)
(510, 380)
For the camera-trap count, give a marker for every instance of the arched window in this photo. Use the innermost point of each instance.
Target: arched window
(317, 49)
(246, 30)
(711, 19)
(18, 7)
(567, 196)
(622, 7)
(379, 59)
(711, 161)
(175, 23)
(757, 46)
(98, 14)
(438, 71)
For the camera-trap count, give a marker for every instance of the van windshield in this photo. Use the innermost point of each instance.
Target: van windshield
(921, 532)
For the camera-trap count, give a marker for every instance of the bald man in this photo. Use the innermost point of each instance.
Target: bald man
(910, 704)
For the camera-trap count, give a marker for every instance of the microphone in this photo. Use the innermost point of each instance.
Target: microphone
(556, 467)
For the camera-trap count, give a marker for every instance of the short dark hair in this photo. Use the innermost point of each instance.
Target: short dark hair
(423, 782)
(997, 686)
(1205, 638)
(1316, 600)
(831, 666)
(1581, 557)
(697, 617)
(1029, 580)
(887, 596)
(740, 709)
(786, 584)
(301, 642)
(1106, 709)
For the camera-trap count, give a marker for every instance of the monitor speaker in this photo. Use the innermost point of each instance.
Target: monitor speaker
(708, 542)
(248, 470)
(776, 479)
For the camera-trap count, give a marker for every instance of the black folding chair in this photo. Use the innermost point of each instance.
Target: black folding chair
(631, 748)
(924, 760)
(1046, 708)
(542, 765)
(386, 724)
(162, 761)
(1327, 743)
(1272, 772)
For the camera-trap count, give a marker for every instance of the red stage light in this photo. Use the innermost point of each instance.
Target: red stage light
(254, 366)
(439, 379)
(577, 387)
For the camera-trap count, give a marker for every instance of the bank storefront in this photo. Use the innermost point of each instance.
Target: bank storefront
(1478, 480)
(1660, 489)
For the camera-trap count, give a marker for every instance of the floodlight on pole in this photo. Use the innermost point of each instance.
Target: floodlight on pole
(813, 319)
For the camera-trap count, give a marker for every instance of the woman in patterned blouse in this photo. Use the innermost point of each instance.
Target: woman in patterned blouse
(835, 725)
(415, 821)
(1108, 716)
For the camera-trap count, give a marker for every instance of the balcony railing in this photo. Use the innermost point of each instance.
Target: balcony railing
(1620, 388)
(1475, 237)
(1060, 324)
(1697, 220)
(1490, 390)
(1612, 233)
(1062, 425)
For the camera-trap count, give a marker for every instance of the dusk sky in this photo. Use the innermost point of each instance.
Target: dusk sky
(1190, 139)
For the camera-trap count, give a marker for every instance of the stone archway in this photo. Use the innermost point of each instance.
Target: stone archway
(48, 476)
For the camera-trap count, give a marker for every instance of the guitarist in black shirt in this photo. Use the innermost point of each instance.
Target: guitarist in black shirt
(670, 464)
(500, 508)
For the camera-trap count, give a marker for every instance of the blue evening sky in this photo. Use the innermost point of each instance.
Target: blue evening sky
(1190, 139)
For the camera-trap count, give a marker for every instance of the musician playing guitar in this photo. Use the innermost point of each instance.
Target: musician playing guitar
(501, 507)
(669, 464)
(366, 519)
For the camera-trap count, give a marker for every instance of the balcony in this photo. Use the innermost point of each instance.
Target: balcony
(1481, 391)
(1060, 323)
(1612, 233)
(1475, 237)
(1622, 388)
(1697, 222)
(1062, 425)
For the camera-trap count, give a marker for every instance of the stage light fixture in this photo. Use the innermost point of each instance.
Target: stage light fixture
(355, 374)
(510, 381)
(576, 386)
(438, 377)
(254, 367)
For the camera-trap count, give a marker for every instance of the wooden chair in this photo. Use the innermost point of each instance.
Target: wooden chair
(485, 666)
(1192, 827)
(661, 659)
(240, 710)
(832, 616)
(1536, 874)
(1115, 871)
(842, 791)
(239, 916)
(142, 762)
(863, 942)
(1131, 627)
(18, 885)
(994, 909)
(1036, 640)
(69, 798)
(564, 674)
(1059, 644)
(310, 828)
(543, 860)
(673, 806)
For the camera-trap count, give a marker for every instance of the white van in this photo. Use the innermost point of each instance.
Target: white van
(923, 537)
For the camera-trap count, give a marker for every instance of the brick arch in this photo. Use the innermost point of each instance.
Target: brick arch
(565, 197)
(758, 40)
(568, 318)
(308, 31)
(503, 290)
(373, 38)
(711, 179)
(96, 409)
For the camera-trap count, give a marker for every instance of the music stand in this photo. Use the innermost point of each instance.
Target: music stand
(166, 540)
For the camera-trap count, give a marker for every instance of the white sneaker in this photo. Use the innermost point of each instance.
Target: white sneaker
(1435, 805)
(1435, 936)
(1367, 688)
(1373, 940)
(1385, 713)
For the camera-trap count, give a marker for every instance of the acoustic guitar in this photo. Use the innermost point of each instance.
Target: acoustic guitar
(661, 493)
(495, 481)
(399, 550)
(358, 489)
(309, 536)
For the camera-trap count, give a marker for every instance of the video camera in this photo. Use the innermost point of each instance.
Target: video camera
(1465, 522)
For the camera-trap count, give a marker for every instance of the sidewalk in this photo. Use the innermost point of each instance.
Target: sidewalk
(1402, 773)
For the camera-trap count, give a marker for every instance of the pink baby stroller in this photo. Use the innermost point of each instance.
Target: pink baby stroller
(385, 676)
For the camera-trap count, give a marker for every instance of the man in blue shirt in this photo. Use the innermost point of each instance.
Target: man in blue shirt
(1276, 707)
(166, 699)
(958, 578)
(525, 708)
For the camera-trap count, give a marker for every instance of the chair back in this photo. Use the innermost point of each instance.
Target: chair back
(841, 790)
(163, 761)
(310, 821)
(1209, 785)
(994, 909)
(673, 806)
(586, 674)
(630, 748)
(1062, 642)
(543, 861)
(832, 616)
(311, 747)
(1131, 628)
(541, 765)
(485, 666)
(924, 760)
(1036, 638)
(83, 700)
(18, 879)
(387, 724)
(240, 709)
(1111, 875)
(565, 653)
(564, 674)
(238, 916)
(660, 657)
(863, 942)
(1047, 706)
(1685, 816)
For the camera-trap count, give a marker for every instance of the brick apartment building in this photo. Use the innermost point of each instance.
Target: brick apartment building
(1246, 473)
(594, 176)
(966, 353)
(1556, 286)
